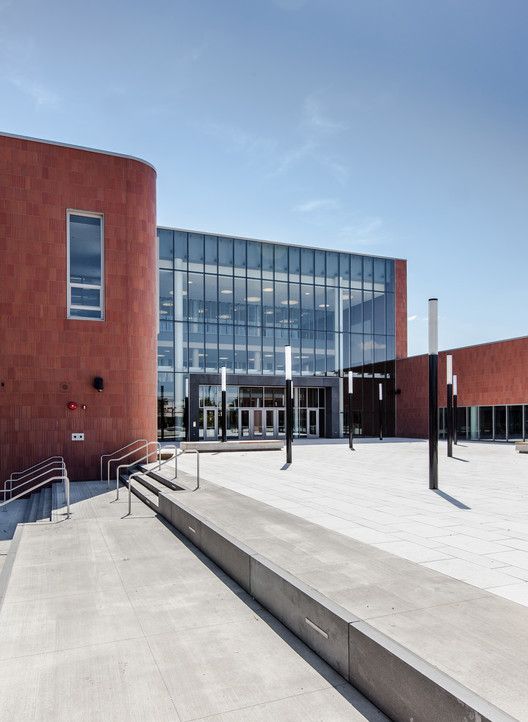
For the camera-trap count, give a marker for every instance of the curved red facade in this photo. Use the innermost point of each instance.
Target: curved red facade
(47, 360)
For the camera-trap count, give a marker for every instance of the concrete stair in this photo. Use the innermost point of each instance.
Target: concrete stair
(39, 506)
(148, 485)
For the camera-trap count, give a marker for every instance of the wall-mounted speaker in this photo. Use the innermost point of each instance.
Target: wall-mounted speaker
(98, 383)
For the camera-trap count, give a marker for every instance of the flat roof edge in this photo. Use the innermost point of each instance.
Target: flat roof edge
(78, 147)
(278, 243)
(471, 345)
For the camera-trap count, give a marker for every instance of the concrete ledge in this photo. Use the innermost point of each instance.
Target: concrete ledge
(319, 622)
(400, 683)
(247, 445)
(406, 687)
(522, 447)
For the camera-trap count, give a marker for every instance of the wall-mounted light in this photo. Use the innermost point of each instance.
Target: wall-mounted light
(98, 383)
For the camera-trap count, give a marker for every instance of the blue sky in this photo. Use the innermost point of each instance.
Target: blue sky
(393, 127)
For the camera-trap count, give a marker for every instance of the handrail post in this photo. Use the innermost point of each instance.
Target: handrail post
(197, 469)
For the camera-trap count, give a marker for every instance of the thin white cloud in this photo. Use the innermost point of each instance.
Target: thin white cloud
(367, 231)
(315, 117)
(41, 96)
(317, 204)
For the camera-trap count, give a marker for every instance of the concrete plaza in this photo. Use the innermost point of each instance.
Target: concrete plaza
(474, 528)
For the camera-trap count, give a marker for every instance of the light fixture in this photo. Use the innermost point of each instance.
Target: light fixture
(323, 305)
(268, 289)
(253, 299)
(226, 291)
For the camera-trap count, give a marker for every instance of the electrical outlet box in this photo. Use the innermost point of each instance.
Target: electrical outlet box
(77, 437)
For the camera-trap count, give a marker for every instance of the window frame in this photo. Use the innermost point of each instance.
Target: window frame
(69, 285)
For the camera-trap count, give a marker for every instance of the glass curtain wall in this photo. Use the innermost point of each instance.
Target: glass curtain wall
(236, 303)
(489, 423)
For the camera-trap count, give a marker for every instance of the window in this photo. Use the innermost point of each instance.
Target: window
(85, 265)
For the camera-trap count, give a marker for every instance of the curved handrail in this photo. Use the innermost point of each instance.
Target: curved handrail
(138, 473)
(104, 456)
(62, 477)
(136, 461)
(144, 445)
(51, 462)
(39, 463)
(60, 467)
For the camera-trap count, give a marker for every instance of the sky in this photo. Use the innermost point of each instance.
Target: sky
(392, 127)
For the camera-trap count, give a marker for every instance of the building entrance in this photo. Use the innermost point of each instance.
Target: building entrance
(261, 423)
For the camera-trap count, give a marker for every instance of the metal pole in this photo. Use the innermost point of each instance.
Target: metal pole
(433, 393)
(449, 412)
(455, 408)
(289, 402)
(162, 411)
(350, 411)
(223, 372)
(380, 395)
(186, 410)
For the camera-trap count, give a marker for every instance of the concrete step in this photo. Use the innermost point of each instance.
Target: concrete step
(44, 514)
(32, 507)
(163, 476)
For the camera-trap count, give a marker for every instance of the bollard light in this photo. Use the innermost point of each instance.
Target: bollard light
(289, 402)
(449, 409)
(380, 398)
(455, 407)
(223, 382)
(350, 411)
(433, 393)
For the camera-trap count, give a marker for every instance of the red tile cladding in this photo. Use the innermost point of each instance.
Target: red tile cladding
(488, 374)
(401, 308)
(47, 360)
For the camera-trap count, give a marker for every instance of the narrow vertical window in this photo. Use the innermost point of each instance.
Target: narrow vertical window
(85, 265)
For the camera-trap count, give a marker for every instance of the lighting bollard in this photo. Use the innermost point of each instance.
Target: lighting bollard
(449, 410)
(289, 402)
(350, 411)
(433, 393)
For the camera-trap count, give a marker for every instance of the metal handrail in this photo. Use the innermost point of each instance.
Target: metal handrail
(136, 461)
(186, 451)
(117, 451)
(62, 477)
(136, 474)
(145, 445)
(49, 462)
(60, 467)
(39, 463)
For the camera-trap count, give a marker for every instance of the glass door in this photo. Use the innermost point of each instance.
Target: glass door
(244, 427)
(257, 428)
(312, 430)
(271, 419)
(210, 422)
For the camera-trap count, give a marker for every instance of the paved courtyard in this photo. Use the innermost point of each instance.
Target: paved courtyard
(474, 528)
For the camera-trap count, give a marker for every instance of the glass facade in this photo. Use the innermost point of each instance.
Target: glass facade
(489, 423)
(237, 302)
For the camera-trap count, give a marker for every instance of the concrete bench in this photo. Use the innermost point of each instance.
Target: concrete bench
(245, 445)
(522, 447)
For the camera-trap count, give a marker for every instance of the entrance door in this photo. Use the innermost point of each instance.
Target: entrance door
(312, 427)
(271, 423)
(210, 422)
(257, 429)
(243, 423)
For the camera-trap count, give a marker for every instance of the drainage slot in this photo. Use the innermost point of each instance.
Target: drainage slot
(317, 629)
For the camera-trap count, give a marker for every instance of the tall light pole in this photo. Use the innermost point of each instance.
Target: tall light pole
(449, 411)
(380, 398)
(186, 411)
(223, 377)
(455, 407)
(433, 393)
(289, 402)
(350, 411)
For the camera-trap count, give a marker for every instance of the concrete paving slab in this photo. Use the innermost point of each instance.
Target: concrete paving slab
(48, 624)
(227, 666)
(336, 704)
(118, 681)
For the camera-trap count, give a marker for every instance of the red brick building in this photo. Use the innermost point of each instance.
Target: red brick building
(68, 315)
(492, 391)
